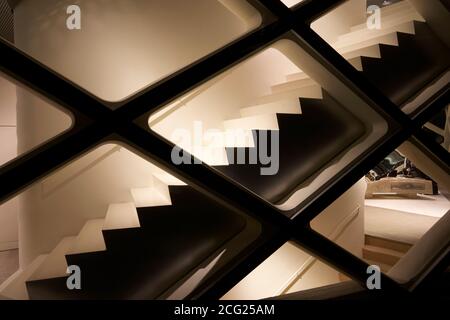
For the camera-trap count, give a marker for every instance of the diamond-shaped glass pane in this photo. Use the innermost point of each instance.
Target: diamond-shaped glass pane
(114, 49)
(134, 230)
(438, 128)
(278, 123)
(402, 47)
(27, 121)
(396, 217)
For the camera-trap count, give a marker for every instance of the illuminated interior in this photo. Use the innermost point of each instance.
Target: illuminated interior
(201, 80)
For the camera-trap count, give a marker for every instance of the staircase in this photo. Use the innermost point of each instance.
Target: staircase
(384, 253)
(403, 71)
(149, 248)
(172, 230)
(401, 58)
(307, 142)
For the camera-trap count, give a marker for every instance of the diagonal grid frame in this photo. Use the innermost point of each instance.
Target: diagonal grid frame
(96, 122)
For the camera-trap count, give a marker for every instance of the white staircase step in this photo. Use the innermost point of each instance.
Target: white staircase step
(356, 63)
(168, 179)
(55, 264)
(387, 21)
(389, 39)
(313, 91)
(262, 122)
(121, 216)
(156, 194)
(15, 286)
(356, 37)
(296, 76)
(361, 35)
(90, 238)
(149, 197)
(283, 106)
(291, 85)
(370, 51)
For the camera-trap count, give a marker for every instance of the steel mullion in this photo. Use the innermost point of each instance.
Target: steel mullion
(311, 240)
(432, 107)
(224, 282)
(409, 125)
(32, 166)
(348, 178)
(349, 270)
(438, 154)
(163, 92)
(57, 89)
(68, 95)
(344, 261)
(434, 151)
(26, 70)
(426, 282)
(312, 9)
(213, 182)
(150, 99)
(54, 87)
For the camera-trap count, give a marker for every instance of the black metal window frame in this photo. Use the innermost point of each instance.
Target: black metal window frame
(97, 121)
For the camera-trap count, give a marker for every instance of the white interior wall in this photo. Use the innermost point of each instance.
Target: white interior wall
(37, 120)
(345, 215)
(241, 86)
(228, 99)
(291, 269)
(339, 20)
(8, 151)
(127, 45)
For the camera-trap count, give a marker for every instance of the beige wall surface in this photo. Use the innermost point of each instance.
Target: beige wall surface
(8, 151)
(339, 20)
